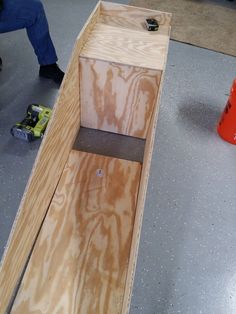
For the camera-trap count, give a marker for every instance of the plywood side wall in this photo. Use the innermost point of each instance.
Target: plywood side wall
(117, 98)
(46, 172)
(141, 199)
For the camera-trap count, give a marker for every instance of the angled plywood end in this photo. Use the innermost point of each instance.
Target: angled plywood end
(80, 218)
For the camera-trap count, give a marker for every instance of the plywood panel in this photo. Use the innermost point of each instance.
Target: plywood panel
(131, 47)
(117, 98)
(71, 244)
(44, 178)
(141, 199)
(137, 24)
(79, 264)
(133, 14)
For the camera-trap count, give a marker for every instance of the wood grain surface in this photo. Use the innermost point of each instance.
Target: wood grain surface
(84, 261)
(59, 138)
(117, 98)
(146, 166)
(80, 260)
(131, 47)
(137, 24)
(131, 13)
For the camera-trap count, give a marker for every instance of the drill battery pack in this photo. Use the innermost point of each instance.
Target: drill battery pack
(34, 124)
(152, 24)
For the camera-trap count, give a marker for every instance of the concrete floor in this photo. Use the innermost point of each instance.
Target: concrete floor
(187, 257)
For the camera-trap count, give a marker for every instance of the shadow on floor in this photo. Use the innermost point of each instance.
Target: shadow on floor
(201, 115)
(19, 148)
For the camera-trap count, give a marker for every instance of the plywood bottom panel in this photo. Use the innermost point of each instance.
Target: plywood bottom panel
(80, 261)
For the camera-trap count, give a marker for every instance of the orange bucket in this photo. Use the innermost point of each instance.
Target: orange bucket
(227, 124)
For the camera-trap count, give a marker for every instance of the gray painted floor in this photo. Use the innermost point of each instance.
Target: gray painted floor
(187, 257)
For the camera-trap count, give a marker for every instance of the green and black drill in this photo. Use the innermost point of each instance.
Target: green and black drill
(34, 124)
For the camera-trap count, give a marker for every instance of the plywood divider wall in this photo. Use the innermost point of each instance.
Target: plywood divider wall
(46, 172)
(119, 99)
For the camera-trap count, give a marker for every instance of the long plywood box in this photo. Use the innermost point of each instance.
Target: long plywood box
(80, 217)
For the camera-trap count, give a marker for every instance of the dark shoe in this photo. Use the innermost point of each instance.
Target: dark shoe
(52, 72)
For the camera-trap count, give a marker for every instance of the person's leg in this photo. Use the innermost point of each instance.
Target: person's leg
(38, 33)
(29, 14)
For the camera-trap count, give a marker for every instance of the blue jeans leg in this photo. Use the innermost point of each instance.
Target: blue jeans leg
(30, 14)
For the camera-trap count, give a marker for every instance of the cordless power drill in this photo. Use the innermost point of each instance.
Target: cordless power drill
(34, 124)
